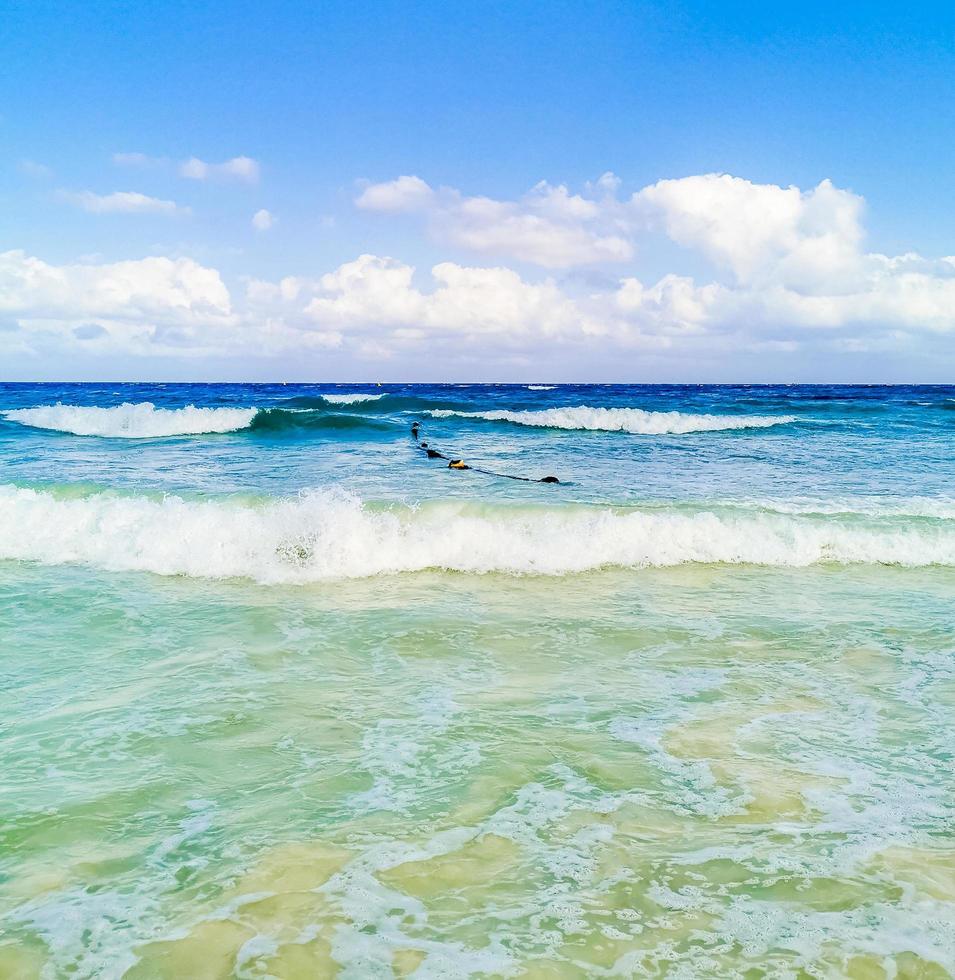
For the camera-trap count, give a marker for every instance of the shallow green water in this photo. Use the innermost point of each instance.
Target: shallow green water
(693, 771)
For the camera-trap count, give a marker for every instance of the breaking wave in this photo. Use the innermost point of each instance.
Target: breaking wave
(541, 387)
(352, 399)
(145, 421)
(133, 421)
(633, 420)
(329, 535)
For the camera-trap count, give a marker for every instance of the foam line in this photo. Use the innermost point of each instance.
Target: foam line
(634, 420)
(327, 535)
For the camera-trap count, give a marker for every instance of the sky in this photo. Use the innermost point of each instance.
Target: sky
(554, 191)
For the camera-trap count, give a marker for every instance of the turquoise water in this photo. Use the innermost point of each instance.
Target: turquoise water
(289, 699)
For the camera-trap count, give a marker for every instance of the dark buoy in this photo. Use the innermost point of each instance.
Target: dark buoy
(459, 464)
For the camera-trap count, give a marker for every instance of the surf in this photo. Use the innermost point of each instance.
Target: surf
(354, 398)
(140, 420)
(632, 420)
(143, 420)
(322, 535)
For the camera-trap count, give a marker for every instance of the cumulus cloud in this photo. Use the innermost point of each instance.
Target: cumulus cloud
(378, 292)
(761, 232)
(142, 286)
(494, 308)
(262, 220)
(794, 258)
(121, 202)
(781, 257)
(786, 270)
(155, 306)
(240, 168)
(753, 231)
(142, 305)
(548, 226)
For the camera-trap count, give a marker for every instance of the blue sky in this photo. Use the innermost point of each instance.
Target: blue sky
(744, 269)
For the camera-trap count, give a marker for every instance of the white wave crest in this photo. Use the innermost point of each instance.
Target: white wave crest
(133, 421)
(318, 536)
(541, 387)
(633, 420)
(351, 399)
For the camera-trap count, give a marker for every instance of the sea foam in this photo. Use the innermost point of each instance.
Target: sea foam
(328, 535)
(351, 399)
(633, 420)
(133, 421)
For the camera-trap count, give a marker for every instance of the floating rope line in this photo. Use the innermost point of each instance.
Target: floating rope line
(459, 464)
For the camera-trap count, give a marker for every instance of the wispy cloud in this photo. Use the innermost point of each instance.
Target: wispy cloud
(138, 160)
(39, 171)
(239, 168)
(121, 202)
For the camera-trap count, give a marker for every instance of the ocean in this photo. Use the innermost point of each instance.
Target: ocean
(282, 696)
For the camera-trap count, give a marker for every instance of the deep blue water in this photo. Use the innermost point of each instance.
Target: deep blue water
(845, 441)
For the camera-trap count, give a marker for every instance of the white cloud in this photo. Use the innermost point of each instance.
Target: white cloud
(761, 232)
(787, 272)
(488, 310)
(674, 305)
(377, 293)
(794, 258)
(141, 305)
(262, 220)
(151, 285)
(241, 168)
(121, 202)
(548, 226)
(154, 306)
(397, 196)
(782, 258)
